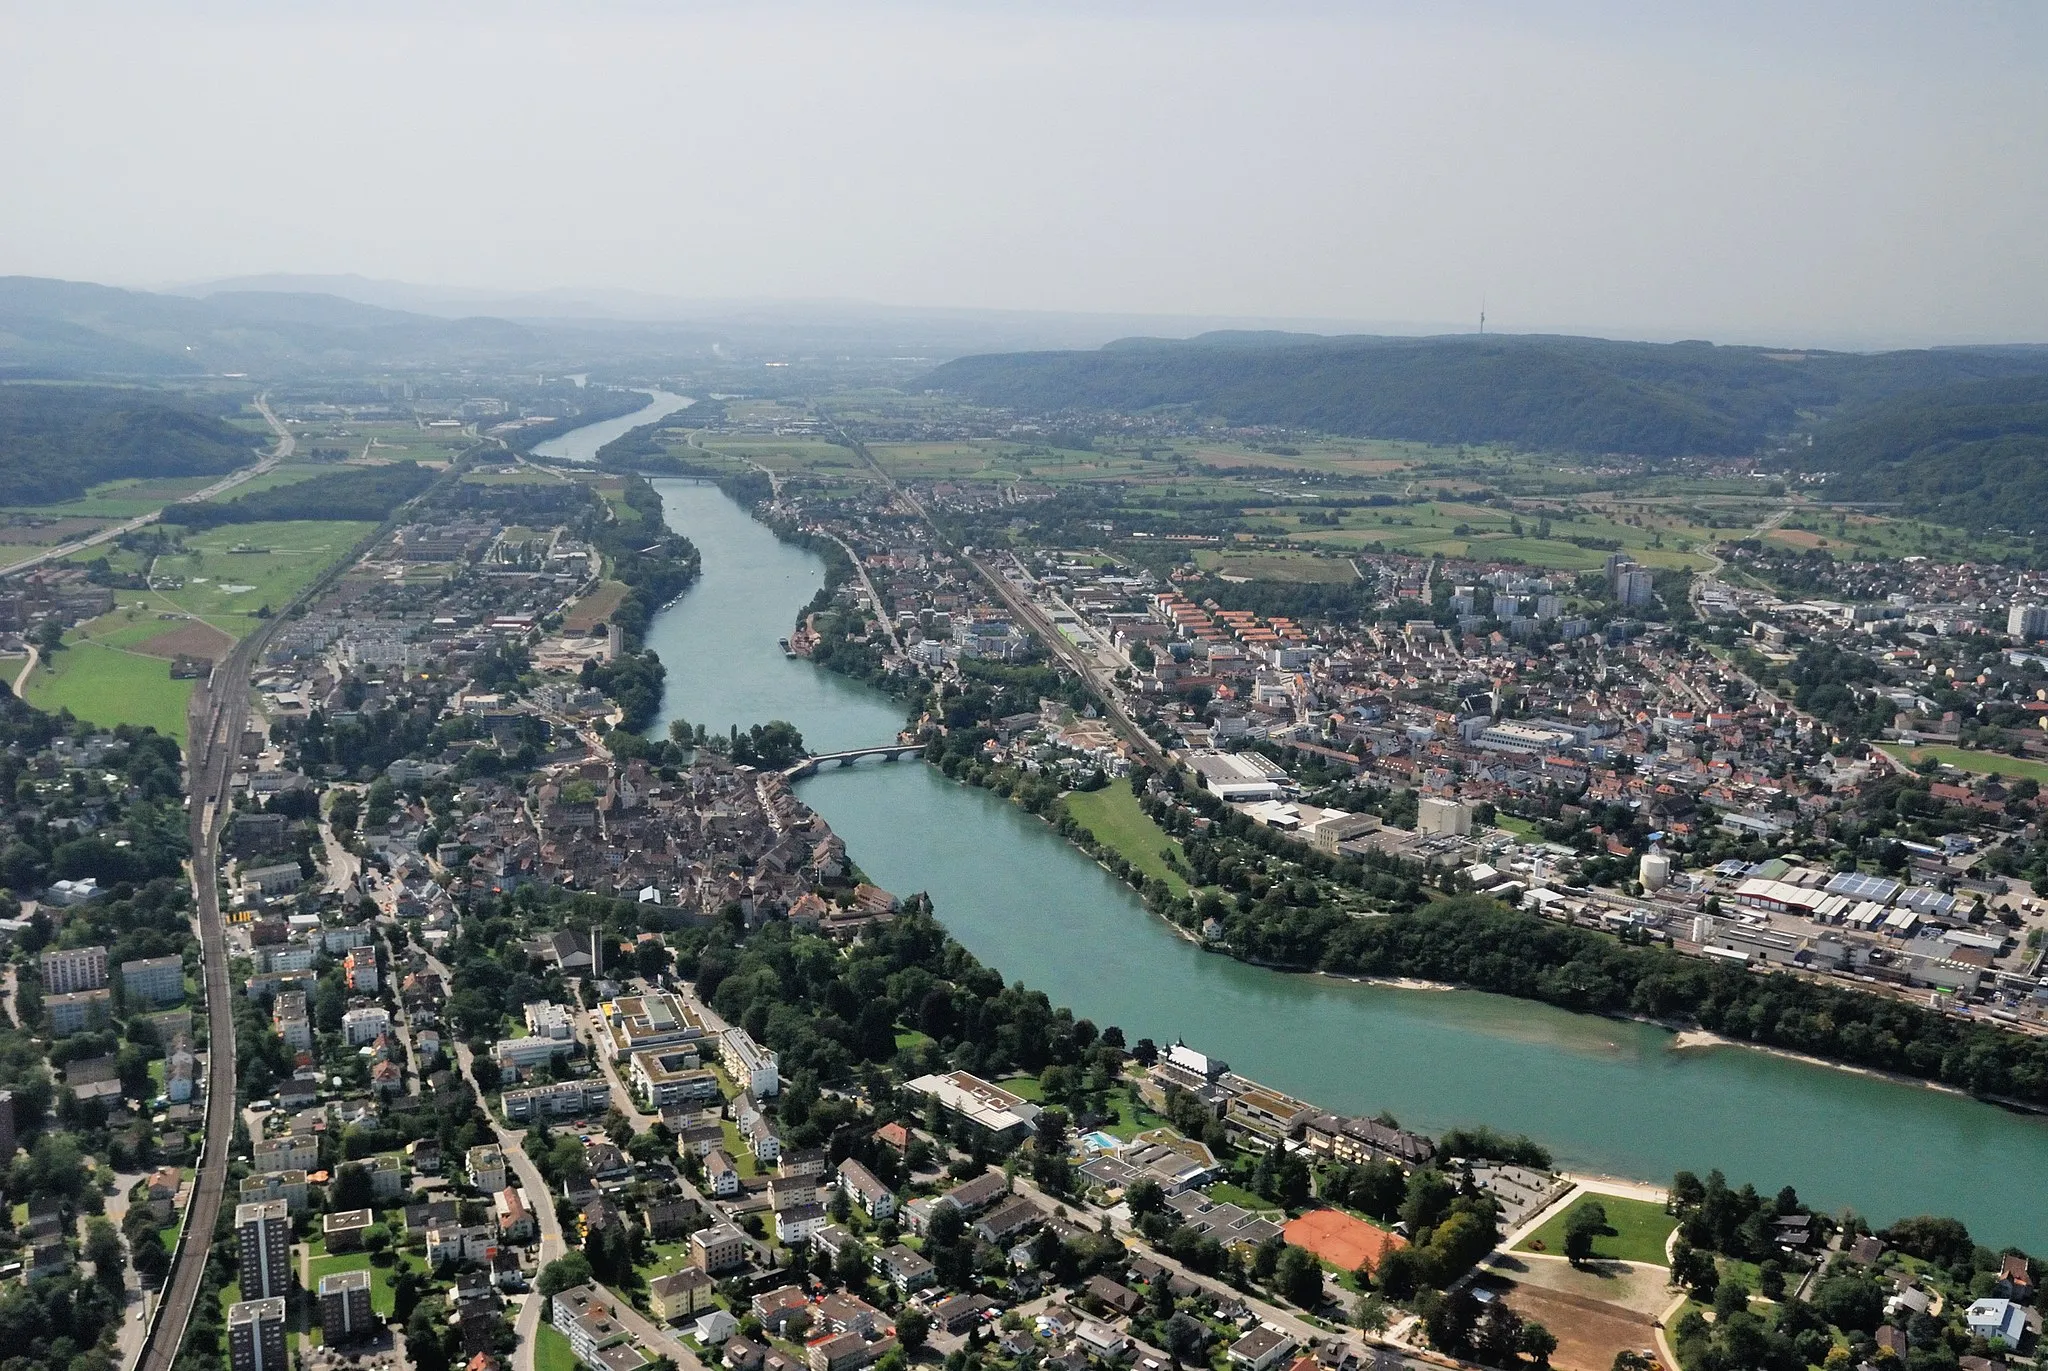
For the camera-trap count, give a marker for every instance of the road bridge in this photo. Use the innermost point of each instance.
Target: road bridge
(888, 752)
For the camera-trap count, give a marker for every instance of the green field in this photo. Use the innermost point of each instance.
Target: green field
(1964, 759)
(1640, 1231)
(275, 562)
(1301, 568)
(109, 685)
(1113, 816)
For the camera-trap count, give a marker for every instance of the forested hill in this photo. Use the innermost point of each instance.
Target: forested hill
(1974, 455)
(1556, 394)
(55, 441)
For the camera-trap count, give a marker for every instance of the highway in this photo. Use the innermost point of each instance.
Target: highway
(286, 445)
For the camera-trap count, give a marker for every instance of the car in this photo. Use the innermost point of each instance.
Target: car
(260, 1106)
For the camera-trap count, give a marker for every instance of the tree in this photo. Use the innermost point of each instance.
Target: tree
(913, 1326)
(1183, 1336)
(352, 1188)
(1587, 1221)
(1298, 1276)
(1538, 1343)
(563, 1272)
(103, 1250)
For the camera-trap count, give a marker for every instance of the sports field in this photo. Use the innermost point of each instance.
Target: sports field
(1637, 1231)
(1968, 759)
(1344, 1242)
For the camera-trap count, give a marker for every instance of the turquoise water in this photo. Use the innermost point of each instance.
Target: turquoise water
(1603, 1096)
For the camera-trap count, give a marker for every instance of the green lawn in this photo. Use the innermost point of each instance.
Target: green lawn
(1966, 759)
(1223, 1192)
(551, 1351)
(1130, 1122)
(1521, 828)
(736, 1147)
(108, 686)
(1113, 816)
(382, 1298)
(1640, 1230)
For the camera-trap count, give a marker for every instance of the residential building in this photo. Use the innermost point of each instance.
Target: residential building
(460, 1243)
(153, 980)
(293, 1152)
(556, 1101)
(289, 1020)
(753, 1067)
(846, 1352)
(263, 1236)
(861, 1185)
(364, 1025)
(256, 1335)
(78, 1010)
(345, 1307)
(583, 1315)
(680, 1295)
(515, 1221)
(798, 1222)
(487, 1168)
(721, 1174)
(673, 1077)
(344, 1229)
(1001, 1117)
(1260, 1349)
(1439, 817)
(289, 1186)
(904, 1269)
(2001, 1319)
(70, 969)
(720, 1247)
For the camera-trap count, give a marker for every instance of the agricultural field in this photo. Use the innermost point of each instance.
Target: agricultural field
(24, 535)
(110, 685)
(230, 573)
(1852, 536)
(382, 441)
(124, 499)
(284, 474)
(1301, 568)
(813, 459)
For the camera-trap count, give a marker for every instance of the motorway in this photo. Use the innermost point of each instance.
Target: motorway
(286, 445)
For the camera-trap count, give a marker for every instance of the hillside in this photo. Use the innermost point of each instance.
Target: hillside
(1975, 455)
(1559, 394)
(69, 327)
(56, 441)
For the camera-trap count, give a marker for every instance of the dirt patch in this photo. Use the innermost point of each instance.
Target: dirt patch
(594, 608)
(1796, 537)
(49, 532)
(1344, 1242)
(190, 639)
(1588, 1332)
(1637, 1286)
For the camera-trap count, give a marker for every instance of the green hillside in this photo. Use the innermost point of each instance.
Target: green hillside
(56, 440)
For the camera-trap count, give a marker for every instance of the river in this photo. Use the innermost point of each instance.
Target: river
(1604, 1096)
(581, 444)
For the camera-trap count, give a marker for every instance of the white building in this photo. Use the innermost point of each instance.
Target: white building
(364, 1026)
(753, 1067)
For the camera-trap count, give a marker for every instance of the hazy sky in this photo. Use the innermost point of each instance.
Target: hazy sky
(1812, 172)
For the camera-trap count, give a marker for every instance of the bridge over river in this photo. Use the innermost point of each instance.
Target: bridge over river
(888, 752)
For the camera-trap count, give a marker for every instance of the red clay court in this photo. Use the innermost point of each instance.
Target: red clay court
(1340, 1240)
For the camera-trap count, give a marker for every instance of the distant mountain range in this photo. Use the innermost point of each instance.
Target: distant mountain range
(1559, 394)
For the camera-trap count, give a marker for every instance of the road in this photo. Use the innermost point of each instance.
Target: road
(284, 448)
(881, 610)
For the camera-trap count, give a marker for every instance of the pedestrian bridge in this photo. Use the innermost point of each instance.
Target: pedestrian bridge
(888, 752)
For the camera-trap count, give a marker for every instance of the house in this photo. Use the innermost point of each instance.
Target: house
(2001, 1319)
(680, 1295)
(721, 1173)
(1260, 1349)
(876, 1200)
(1101, 1341)
(715, 1327)
(462, 1243)
(895, 1137)
(1120, 1300)
(1008, 1221)
(515, 1221)
(960, 1313)
(744, 1354)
